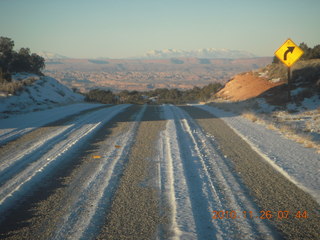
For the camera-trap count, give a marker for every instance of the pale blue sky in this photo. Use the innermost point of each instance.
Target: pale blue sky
(126, 28)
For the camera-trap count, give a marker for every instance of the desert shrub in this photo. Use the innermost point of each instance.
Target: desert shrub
(14, 87)
(307, 71)
(163, 95)
(305, 93)
(102, 96)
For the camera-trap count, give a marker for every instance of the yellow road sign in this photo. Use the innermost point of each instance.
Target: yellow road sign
(289, 53)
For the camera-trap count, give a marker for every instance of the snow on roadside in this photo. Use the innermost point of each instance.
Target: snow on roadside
(303, 117)
(45, 92)
(299, 164)
(17, 125)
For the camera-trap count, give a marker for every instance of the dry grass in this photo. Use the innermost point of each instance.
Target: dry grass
(274, 123)
(15, 86)
(299, 137)
(306, 141)
(250, 116)
(285, 129)
(289, 131)
(309, 145)
(271, 127)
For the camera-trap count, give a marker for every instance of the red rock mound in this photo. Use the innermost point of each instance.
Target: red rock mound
(245, 86)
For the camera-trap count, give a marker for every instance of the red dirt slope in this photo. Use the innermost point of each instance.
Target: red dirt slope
(245, 86)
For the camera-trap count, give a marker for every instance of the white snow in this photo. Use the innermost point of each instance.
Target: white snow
(196, 180)
(299, 164)
(44, 93)
(200, 53)
(264, 107)
(297, 91)
(275, 80)
(87, 212)
(303, 117)
(20, 172)
(173, 181)
(311, 103)
(17, 125)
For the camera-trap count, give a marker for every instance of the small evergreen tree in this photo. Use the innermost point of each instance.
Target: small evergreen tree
(307, 51)
(6, 52)
(316, 51)
(22, 61)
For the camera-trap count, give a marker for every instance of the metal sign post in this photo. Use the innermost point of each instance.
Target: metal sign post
(289, 84)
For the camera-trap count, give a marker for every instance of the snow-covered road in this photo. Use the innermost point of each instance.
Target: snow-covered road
(20, 170)
(197, 180)
(94, 196)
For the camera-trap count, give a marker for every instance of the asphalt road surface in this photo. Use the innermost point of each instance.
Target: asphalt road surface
(146, 172)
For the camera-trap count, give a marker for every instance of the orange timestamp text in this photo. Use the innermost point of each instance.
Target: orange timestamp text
(262, 215)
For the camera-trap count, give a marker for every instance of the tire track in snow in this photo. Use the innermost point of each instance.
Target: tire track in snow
(17, 154)
(15, 127)
(196, 181)
(11, 134)
(51, 155)
(134, 211)
(87, 213)
(30, 151)
(271, 190)
(173, 182)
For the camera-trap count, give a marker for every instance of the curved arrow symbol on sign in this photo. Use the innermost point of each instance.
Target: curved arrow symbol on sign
(290, 49)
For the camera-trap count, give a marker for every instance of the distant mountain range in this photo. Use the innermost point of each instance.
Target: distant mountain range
(51, 55)
(210, 53)
(206, 53)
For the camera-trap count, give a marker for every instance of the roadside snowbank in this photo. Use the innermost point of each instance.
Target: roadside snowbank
(44, 93)
(17, 125)
(299, 164)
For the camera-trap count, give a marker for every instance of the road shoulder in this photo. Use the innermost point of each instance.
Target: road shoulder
(272, 191)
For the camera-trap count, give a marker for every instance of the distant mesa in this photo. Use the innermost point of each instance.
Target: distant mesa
(204, 53)
(53, 62)
(98, 61)
(176, 61)
(204, 61)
